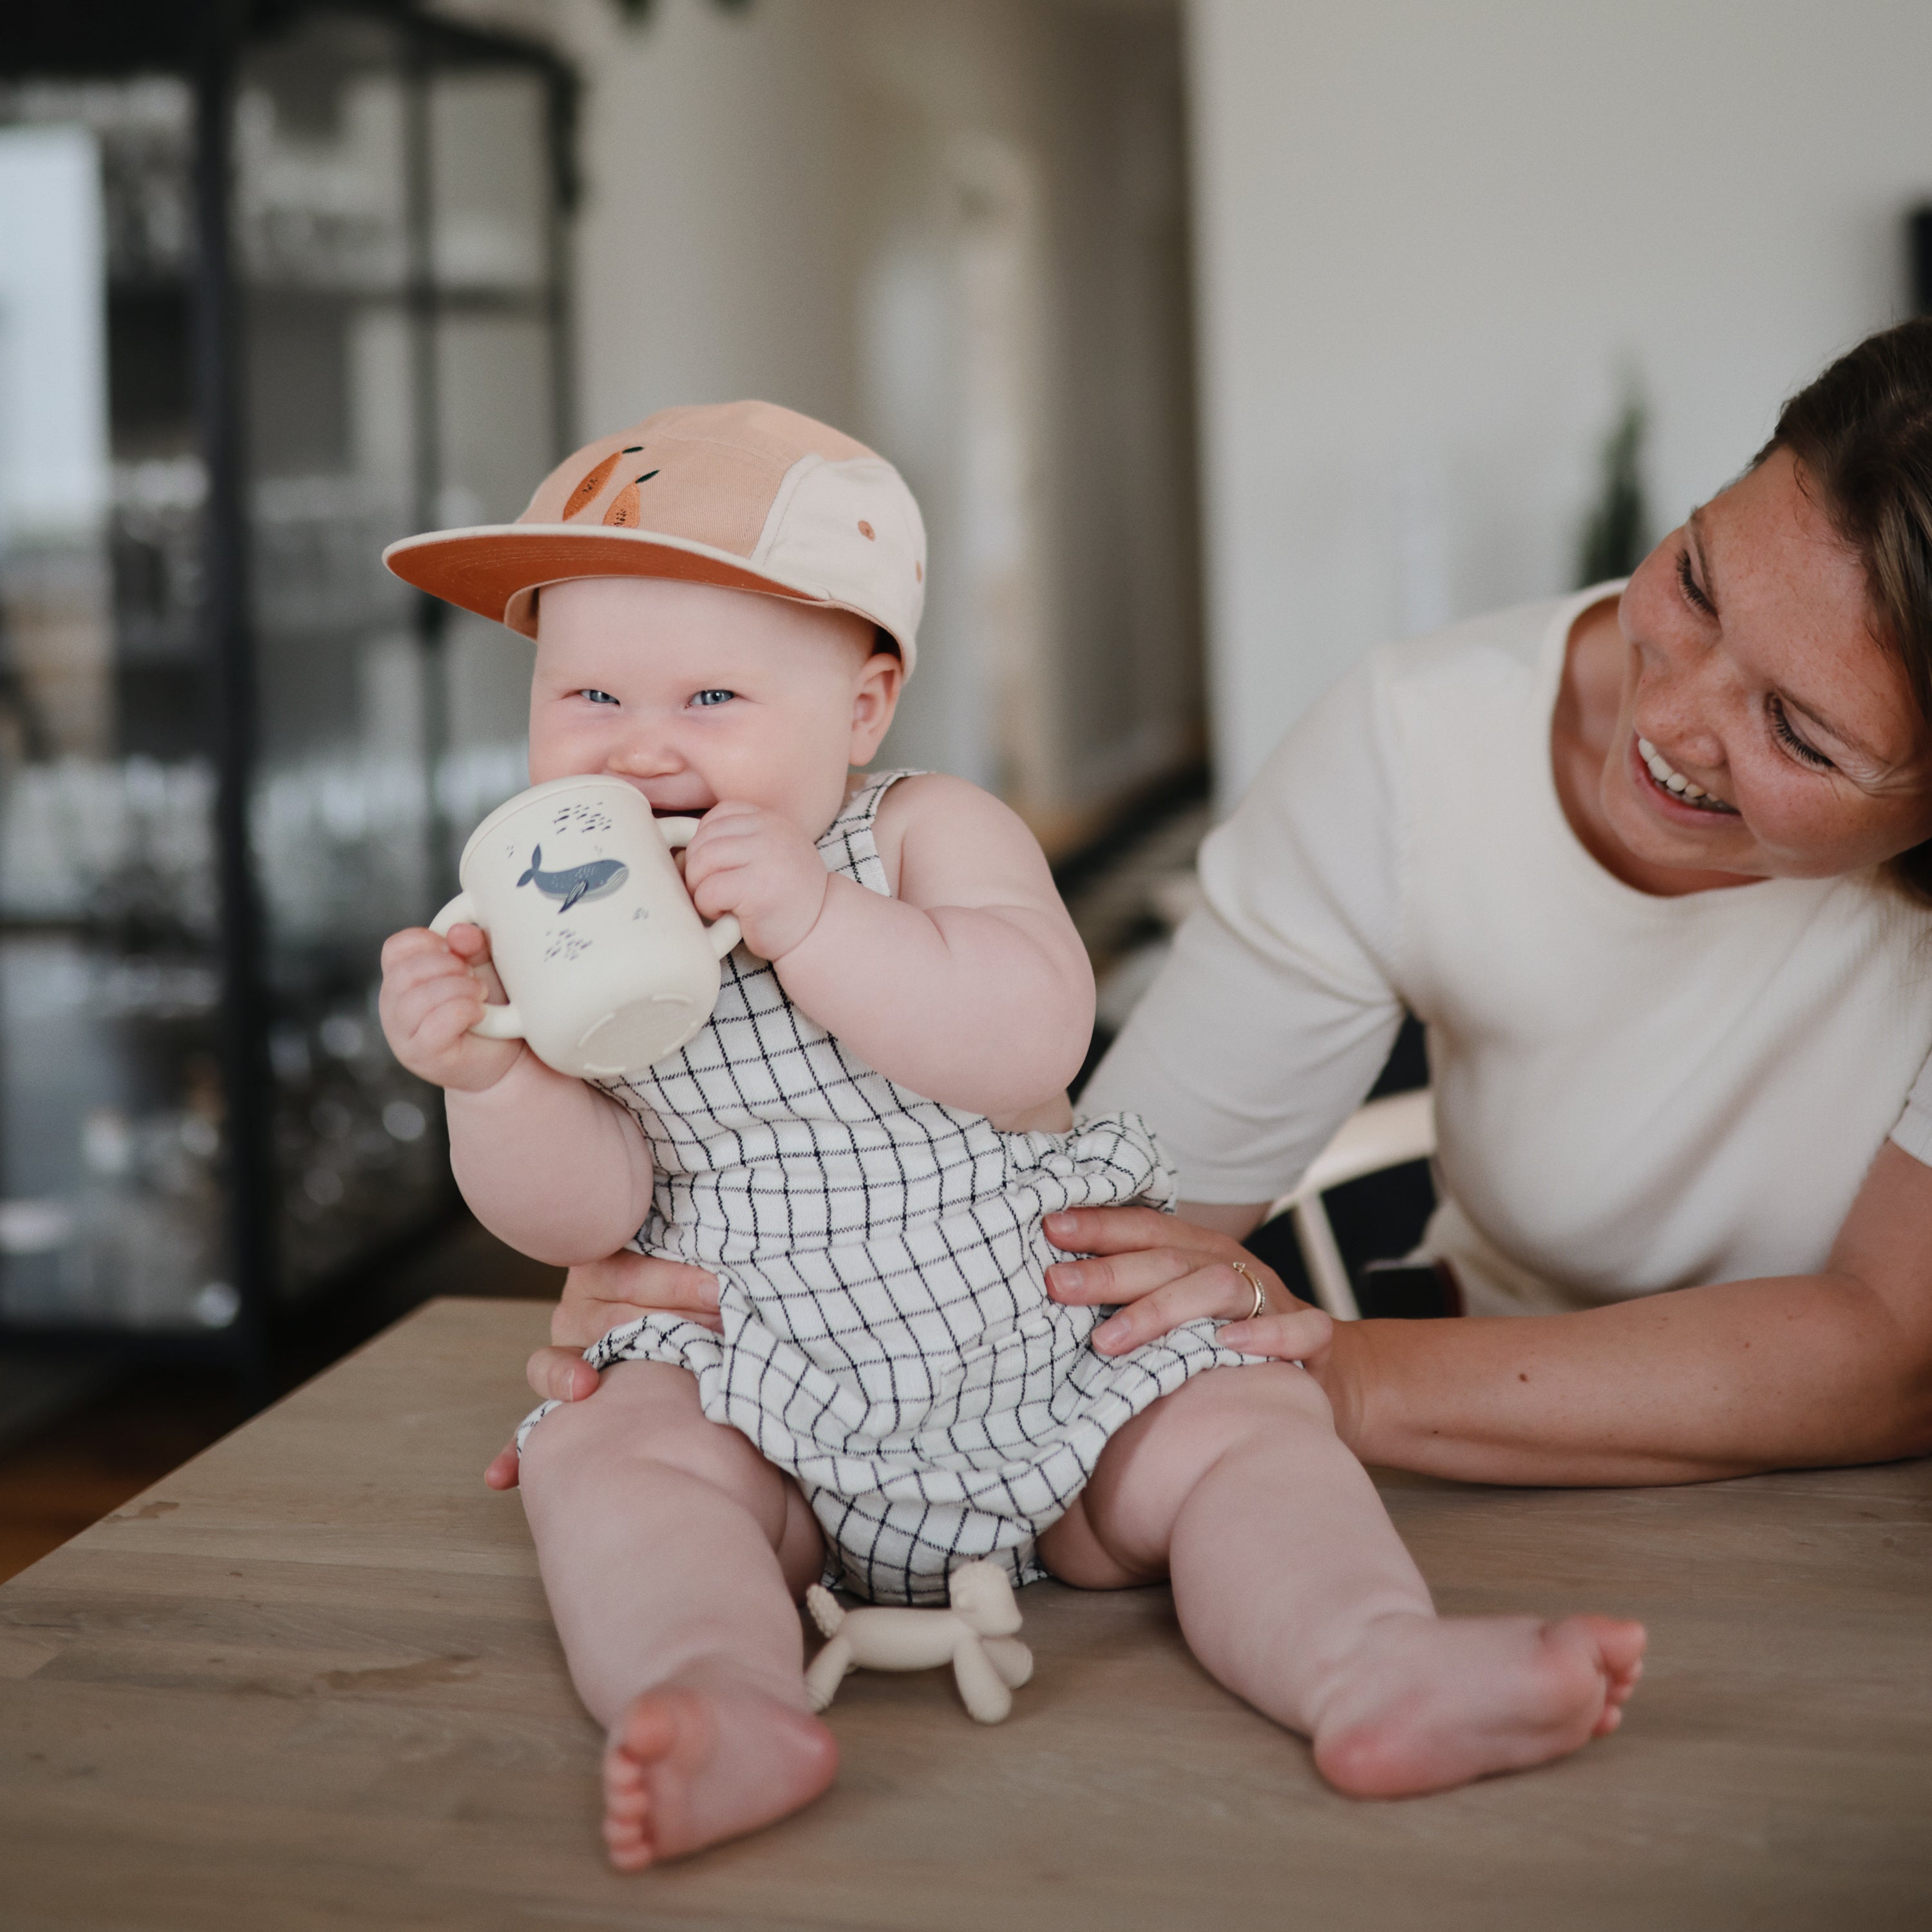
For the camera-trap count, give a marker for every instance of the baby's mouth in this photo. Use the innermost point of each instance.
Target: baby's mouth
(664, 807)
(1675, 786)
(695, 808)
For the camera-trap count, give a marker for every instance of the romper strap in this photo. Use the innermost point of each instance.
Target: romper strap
(848, 845)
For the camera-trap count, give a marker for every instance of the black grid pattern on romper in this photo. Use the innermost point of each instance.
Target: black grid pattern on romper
(887, 1339)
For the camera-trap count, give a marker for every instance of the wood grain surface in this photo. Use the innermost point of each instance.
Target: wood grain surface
(308, 1681)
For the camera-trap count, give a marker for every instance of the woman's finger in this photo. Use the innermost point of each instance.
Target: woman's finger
(1296, 1336)
(1215, 1293)
(561, 1375)
(1201, 1296)
(600, 1296)
(1097, 1280)
(1114, 1231)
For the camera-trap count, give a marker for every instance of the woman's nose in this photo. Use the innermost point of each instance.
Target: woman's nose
(1680, 703)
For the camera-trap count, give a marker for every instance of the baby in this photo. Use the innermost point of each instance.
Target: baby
(861, 1145)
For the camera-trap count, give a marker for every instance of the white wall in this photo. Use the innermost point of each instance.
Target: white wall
(957, 229)
(715, 250)
(1430, 233)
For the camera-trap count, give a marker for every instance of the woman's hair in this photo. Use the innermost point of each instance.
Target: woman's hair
(1861, 435)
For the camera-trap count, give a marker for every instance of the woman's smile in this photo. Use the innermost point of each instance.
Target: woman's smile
(1666, 786)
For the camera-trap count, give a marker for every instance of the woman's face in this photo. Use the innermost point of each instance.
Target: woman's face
(1764, 732)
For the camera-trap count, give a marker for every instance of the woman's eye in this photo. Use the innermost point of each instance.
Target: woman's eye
(1694, 591)
(599, 696)
(709, 697)
(1780, 724)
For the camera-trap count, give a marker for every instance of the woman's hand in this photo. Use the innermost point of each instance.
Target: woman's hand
(598, 1297)
(1164, 1271)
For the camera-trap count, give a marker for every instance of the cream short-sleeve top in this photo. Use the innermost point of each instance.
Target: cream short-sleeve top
(1633, 1093)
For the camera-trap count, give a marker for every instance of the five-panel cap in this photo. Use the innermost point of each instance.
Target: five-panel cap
(746, 496)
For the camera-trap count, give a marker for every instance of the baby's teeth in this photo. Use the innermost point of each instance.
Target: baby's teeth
(1692, 790)
(1676, 782)
(1649, 750)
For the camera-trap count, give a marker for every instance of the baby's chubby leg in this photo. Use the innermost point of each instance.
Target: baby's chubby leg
(672, 1554)
(1294, 1591)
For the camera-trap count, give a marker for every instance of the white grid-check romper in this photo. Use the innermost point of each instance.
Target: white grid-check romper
(887, 1335)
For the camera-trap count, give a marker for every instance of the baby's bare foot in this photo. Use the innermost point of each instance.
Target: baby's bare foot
(684, 1768)
(1423, 1704)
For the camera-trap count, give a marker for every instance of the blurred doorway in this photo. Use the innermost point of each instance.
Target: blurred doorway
(958, 228)
(1026, 338)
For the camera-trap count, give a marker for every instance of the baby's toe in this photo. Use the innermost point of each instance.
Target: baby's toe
(628, 1842)
(631, 1803)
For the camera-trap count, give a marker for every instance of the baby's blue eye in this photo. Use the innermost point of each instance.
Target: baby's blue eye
(600, 697)
(704, 697)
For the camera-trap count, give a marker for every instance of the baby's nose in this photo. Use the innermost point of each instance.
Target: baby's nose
(646, 756)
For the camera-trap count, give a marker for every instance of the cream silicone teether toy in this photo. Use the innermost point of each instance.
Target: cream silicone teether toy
(975, 1636)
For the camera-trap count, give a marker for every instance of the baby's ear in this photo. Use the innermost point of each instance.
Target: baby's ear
(875, 697)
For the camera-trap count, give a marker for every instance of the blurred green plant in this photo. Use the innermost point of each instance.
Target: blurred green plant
(638, 12)
(1616, 536)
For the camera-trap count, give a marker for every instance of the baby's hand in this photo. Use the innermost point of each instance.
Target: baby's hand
(431, 1000)
(745, 860)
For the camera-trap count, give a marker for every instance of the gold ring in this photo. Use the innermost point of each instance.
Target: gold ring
(1247, 1274)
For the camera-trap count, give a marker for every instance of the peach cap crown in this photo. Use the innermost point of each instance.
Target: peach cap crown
(746, 496)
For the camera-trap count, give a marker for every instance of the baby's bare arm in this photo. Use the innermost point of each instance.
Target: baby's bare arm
(970, 987)
(549, 1164)
(545, 1162)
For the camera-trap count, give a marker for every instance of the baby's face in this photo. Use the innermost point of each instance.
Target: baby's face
(693, 695)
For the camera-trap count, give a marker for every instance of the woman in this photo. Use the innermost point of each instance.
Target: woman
(1655, 870)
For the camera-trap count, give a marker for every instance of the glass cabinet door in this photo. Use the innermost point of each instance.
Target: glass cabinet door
(339, 817)
(391, 272)
(395, 225)
(111, 1102)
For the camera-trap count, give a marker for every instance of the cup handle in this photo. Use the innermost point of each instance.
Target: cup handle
(726, 932)
(461, 911)
(497, 1022)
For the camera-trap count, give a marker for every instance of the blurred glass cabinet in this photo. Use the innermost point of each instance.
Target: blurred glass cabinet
(278, 284)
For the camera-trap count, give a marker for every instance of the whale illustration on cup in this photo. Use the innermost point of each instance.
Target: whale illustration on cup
(576, 882)
(640, 974)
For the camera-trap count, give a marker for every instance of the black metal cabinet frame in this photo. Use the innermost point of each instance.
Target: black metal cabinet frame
(208, 44)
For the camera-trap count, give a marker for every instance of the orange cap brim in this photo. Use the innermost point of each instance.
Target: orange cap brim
(496, 570)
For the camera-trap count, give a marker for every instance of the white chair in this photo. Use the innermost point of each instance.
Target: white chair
(1384, 1133)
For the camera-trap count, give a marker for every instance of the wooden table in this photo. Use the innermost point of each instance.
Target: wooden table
(308, 1681)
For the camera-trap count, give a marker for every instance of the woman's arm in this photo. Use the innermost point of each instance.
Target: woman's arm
(1793, 1371)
